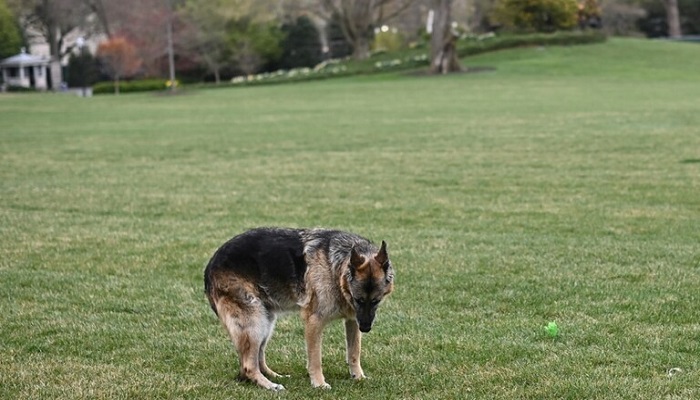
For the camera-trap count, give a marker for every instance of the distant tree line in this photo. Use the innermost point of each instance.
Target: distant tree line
(217, 39)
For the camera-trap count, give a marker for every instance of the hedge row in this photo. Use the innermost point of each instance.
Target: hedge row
(535, 39)
(146, 85)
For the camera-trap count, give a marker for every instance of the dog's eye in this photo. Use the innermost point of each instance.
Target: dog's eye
(359, 302)
(375, 303)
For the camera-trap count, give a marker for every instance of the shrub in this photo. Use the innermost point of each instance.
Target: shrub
(536, 15)
(589, 14)
(389, 40)
(20, 89)
(145, 85)
(301, 46)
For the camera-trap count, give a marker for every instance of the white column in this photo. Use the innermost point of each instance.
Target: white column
(23, 81)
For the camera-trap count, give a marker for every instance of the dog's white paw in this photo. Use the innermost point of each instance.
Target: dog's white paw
(323, 386)
(276, 387)
(358, 377)
(357, 374)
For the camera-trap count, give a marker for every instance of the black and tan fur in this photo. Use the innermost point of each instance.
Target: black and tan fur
(328, 274)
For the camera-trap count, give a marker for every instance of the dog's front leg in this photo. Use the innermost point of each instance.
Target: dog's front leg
(353, 340)
(314, 337)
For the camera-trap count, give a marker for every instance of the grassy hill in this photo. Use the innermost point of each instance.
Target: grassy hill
(627, 59)
(560, 186)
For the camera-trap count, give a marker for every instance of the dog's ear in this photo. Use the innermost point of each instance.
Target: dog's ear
(356, 260)
(382, 257)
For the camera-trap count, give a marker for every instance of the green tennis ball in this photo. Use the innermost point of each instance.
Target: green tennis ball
(552, 329)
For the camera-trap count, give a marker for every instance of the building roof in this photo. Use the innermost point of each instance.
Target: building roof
(23, 59)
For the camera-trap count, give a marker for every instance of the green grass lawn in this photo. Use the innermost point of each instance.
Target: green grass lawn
(563, 186)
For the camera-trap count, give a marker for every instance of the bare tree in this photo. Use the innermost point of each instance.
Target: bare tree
(100, 11)
(358, 18)
(53, 21)
(205, 35)
(443, 42)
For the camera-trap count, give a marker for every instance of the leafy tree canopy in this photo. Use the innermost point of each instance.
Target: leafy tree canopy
(254, 43)
(10, 37)
(537, 15)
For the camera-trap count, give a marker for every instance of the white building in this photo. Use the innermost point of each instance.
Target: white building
(25, 70)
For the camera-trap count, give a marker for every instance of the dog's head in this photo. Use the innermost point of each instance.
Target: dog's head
(369, 279)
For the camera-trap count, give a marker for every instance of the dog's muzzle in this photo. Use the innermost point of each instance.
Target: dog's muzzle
(365, 318)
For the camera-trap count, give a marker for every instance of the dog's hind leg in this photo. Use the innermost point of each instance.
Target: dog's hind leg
(353, 339)
(249, 333)
(261, 356)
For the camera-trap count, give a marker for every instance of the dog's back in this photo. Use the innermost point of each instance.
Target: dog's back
(333, 246)
(271, 259)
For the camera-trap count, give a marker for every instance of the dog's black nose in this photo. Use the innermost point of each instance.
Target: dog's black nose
(365, 329)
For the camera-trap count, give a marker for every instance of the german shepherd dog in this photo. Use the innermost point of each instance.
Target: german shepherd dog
(328, 274)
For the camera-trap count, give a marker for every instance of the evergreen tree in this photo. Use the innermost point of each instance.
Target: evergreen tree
(82, 70)
(10, 37)
(301, 46)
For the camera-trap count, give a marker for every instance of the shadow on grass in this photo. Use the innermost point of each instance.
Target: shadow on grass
(691, 161)
(465, 70)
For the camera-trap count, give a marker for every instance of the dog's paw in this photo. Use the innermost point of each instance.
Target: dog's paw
(276, 387)
(323, 386)
(356, 373)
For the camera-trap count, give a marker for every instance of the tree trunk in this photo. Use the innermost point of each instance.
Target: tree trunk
(53, 34)
(360, 48)
(356, 20)
(56, 75)
(171, 52)
(443, 43)
(673, 18)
